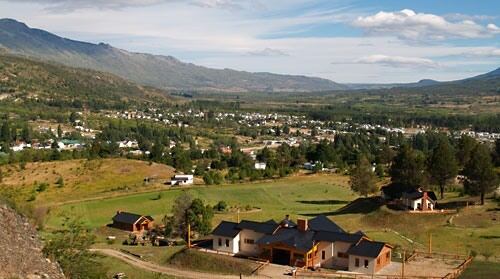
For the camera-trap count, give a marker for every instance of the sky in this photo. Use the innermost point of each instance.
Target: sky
(348, 41)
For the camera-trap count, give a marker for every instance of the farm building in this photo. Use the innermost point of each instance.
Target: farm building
(317, 242)
(132, 222)
(182, 179)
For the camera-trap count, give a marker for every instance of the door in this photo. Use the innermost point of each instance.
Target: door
(281, 256)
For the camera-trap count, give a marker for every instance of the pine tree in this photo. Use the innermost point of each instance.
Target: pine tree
(59, 131)
(362, 178)
(408, 168)
(442, 165)
(480, 173)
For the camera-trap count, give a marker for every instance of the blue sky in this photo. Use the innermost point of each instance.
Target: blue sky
(342, 40)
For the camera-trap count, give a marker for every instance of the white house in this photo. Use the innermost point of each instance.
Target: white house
(260, 166)
(182, 179)
(419, 200)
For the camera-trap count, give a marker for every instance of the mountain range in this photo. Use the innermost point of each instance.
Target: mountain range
(167, 72)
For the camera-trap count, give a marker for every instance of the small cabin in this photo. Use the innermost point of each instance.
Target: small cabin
(132, 222)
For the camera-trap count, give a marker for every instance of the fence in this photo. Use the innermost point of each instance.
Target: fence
(452, 275)
(333, 274)
(459, 270)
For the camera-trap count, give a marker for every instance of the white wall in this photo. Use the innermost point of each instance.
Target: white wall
(249, 249)
(414, 204)
(233, 244)
(328, 248)
(340, 247)
(352, 265)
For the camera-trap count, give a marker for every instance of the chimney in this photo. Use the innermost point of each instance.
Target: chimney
(302, 225)
(287, 217)
(424, 201)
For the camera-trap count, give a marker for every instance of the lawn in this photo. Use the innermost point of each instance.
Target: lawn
(115, 266)
(474, 230)
(482, 270)
(295, 195)
(211, 263)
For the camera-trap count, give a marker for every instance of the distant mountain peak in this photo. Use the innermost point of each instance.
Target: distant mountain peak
(161, 71)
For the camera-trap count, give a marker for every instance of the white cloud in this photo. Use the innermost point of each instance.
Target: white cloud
(269, 52)
(397, 61)
(492, 52)
(73, 5)
(407, 24)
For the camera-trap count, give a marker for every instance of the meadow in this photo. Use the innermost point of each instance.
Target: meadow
(94, 192)
(473, 230)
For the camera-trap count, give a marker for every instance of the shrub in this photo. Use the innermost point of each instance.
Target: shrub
(221, 206)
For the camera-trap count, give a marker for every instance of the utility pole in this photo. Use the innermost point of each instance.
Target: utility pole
(403, 265)
(189, 236)
(430, 243)
(238, 216)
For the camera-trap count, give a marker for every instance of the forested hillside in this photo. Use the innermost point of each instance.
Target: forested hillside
(61, 86)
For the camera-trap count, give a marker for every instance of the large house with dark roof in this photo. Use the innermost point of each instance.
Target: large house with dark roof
(317, 242)
(132, 222)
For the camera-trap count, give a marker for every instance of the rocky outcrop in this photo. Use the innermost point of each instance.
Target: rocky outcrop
(21, 250)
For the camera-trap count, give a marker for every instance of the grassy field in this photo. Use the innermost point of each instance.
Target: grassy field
(482, 270)
(83, 179)
(118, 185)
(274, 199)
(211, 263)
(472, 230)
(115, 266)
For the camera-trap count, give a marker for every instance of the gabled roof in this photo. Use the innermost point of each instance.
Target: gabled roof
(414, 195)
(227, 229)
(338, 236)
(267, 227)
(129, 218)
(292, 237)
(322, 223)
(367, 248)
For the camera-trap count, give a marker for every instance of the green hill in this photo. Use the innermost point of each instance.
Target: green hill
(59, 85)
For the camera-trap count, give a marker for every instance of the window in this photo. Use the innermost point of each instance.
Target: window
(366, 263)
(356, 262)
(220, 241)
(342, 255)
(249, 241)
(227, 242)
(323, 255)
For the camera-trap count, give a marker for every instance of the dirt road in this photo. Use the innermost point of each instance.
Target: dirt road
(181, 273)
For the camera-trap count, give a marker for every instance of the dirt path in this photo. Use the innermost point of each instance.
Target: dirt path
(182, 273)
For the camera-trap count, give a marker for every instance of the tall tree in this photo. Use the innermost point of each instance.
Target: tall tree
(442, 165)
(363, 178)
(5, 132)
(187, 210)
(465, 146)
(497, 153)
(59, 131)
(481, 177)
(408, 168)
